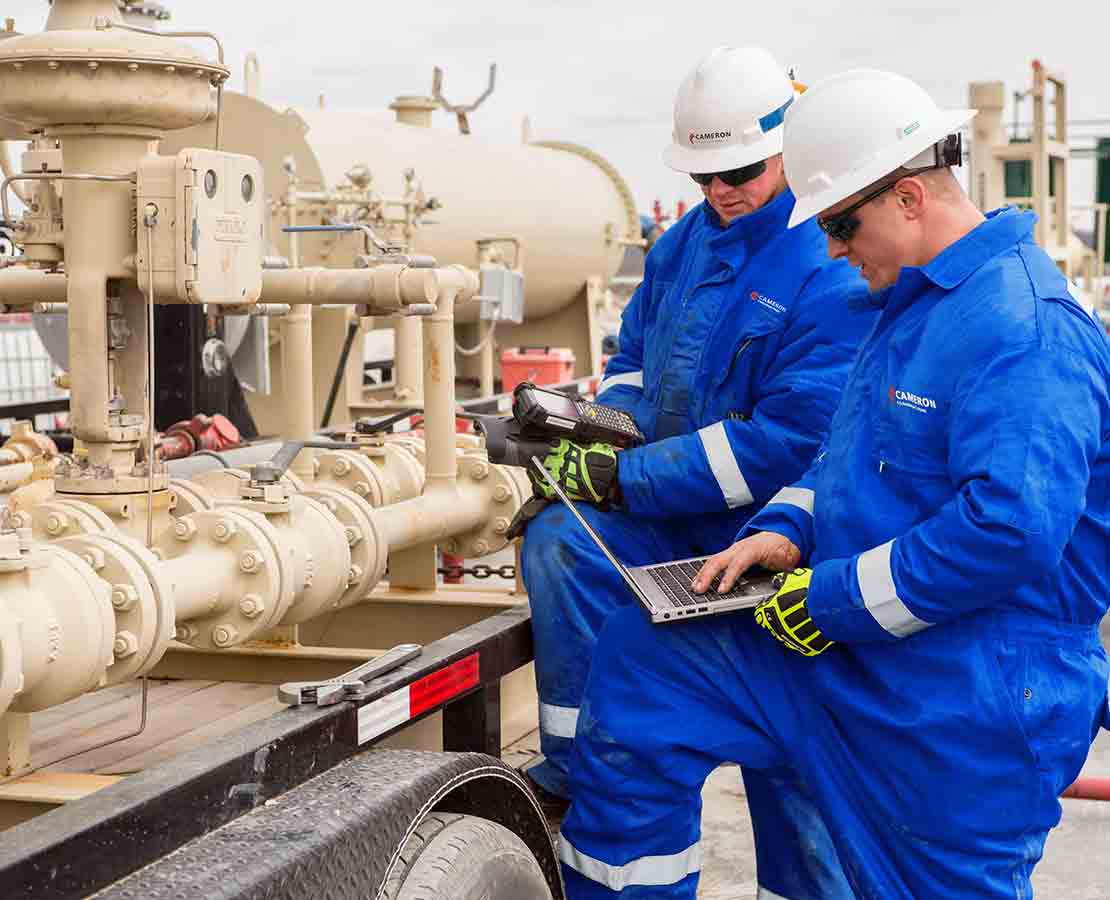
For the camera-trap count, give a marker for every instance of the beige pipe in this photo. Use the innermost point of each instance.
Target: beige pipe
(9, 170)
(408, 359)
(298, 397)
(87, 294)
(199, 586)
(21, 286)
(446, 507)
(386, 288)
(15, 475)
(98, 238)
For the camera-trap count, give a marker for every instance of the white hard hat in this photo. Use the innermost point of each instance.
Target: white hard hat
(729, 111)
(850, 130)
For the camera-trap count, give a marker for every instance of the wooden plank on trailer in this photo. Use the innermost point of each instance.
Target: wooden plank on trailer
(72, 732)
(54, 787)
(211, 731)
(167, 721)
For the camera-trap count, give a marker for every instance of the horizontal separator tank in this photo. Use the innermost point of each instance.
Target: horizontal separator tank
(570, 207)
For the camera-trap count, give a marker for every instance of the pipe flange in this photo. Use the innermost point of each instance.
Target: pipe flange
(68, 635)
(189, 497)
(327, 558)
(250, 601)
(508, 487)
(11, 658)
(141, 597)
(403, 464)
(354, 472)
(57, 518)
(413, 444)
(369, 551)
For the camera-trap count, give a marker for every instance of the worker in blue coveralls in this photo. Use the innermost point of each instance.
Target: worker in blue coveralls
(732, 357)
(930, 664)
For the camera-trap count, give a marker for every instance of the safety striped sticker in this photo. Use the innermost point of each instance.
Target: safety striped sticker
(403, 704)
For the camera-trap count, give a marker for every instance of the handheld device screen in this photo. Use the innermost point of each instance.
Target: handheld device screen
(556, 404)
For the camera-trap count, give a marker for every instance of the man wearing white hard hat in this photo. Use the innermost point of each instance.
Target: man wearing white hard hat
(931, 663)
(733, 353)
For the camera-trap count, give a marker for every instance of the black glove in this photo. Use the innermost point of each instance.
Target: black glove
(524, 515)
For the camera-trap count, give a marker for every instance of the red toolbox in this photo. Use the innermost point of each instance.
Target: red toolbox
(539, 365)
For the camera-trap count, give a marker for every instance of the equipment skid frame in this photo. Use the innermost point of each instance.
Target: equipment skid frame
(292, 806)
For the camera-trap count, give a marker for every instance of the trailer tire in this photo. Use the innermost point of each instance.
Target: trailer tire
(456, 857)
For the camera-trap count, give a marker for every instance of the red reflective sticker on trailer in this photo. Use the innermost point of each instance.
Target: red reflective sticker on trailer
(434, 689)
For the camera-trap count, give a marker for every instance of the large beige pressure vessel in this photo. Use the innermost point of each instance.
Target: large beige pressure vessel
(570, 207)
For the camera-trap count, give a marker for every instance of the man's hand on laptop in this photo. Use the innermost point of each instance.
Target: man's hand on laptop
(767, 549)
(585, 471)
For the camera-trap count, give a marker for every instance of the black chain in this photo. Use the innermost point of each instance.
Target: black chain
(479, 571)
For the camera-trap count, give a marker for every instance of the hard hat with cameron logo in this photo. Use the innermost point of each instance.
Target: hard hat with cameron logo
(848, 131)
(729, 111)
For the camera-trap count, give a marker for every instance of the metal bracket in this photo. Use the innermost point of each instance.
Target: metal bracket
(350, 685)
(460, 110)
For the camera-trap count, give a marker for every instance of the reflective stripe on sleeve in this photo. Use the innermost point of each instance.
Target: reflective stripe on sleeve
(876, 585)
(647, 870)
(795, 496)
(558, 721)
(632, 379)
(723, 463)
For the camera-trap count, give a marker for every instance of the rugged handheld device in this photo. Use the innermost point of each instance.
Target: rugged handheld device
(544, 413)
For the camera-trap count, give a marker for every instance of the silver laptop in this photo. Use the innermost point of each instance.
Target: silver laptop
(663, 589)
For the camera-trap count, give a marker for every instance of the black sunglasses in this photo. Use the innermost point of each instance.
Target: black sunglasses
(843, 225)
(732, 177)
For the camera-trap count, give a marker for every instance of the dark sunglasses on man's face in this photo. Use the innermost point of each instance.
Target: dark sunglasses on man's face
(842, 226)
(733, 177)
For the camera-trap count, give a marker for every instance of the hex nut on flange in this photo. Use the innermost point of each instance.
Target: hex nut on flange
(185, 632)
(184, 529)
(501, 493)
(224, 635)
(341, 467)
(124, 597)
(94, 556)
(251, 606)
(500, 525)
(250, 562)
(224, 530)
(125, 645)
(57, 523)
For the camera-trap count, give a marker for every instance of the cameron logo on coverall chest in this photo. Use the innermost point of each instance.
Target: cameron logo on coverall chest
(709, 137)
(912, 401)
(768, 302)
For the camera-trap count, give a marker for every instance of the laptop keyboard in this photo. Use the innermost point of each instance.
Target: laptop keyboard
(675, 579)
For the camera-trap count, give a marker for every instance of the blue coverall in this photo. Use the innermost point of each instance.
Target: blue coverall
(732, 356)
(958, 527)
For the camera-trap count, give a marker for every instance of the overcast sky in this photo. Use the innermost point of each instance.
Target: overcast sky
(604, 73)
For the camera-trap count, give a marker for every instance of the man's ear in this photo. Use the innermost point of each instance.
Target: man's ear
(911, 194)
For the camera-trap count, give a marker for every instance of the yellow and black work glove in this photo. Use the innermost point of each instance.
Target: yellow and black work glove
(785, 615)
(584, 471)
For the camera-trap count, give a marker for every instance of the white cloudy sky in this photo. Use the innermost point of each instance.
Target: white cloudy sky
(604, 73)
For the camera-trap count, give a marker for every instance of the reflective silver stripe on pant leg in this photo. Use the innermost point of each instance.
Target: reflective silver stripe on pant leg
(876, 585)
(723, 463)
(647, 870)
(632, 379)
(558, 721)
(795, 496)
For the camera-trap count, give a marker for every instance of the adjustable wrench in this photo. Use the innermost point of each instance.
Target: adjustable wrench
(349, 685)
